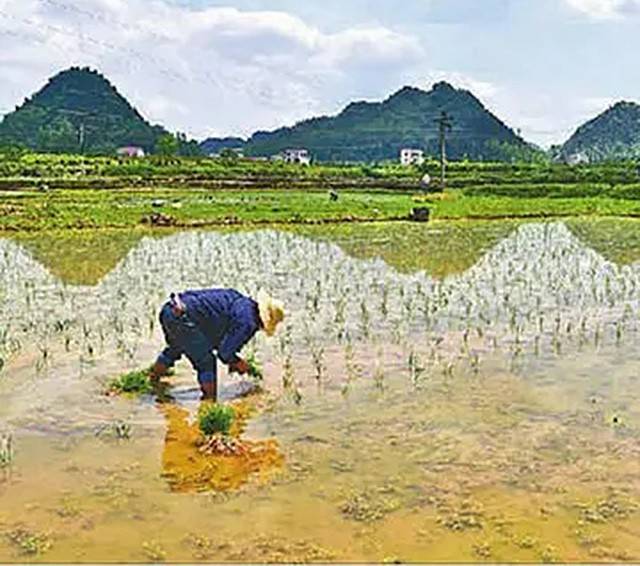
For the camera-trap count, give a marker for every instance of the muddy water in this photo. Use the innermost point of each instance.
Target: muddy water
(450, 435)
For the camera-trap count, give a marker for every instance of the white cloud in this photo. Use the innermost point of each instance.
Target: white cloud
(223, 70)
(213, 70)
(372, 46)
(605, 9)
(593, 105)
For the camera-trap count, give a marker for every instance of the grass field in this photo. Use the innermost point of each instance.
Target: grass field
(78, 209)
(128, 208)
(458, 205)
(41, 192)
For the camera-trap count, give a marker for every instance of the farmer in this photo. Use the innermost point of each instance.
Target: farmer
(195, 323)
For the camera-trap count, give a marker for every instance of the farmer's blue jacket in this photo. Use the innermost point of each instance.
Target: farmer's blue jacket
(223, 320)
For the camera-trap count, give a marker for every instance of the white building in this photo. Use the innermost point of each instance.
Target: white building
(577, 159)
(300, 156)
(130, 151)
(410, 156)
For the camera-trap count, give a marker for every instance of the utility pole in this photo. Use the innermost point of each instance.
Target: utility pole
(445, 124)
(81, 130)
(81, 135)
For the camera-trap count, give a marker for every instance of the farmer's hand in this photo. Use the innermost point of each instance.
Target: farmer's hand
(157, 371)
(241, 367)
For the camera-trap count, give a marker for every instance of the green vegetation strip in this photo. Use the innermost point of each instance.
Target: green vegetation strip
(23, 170)
(125, 209)
(472, 207)
(65, 209)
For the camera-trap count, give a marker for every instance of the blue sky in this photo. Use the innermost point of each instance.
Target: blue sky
(224, 67)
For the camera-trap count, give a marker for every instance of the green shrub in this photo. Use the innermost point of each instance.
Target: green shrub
(215, 419)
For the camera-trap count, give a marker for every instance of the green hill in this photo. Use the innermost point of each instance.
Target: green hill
(614, 134)
(78, 111)
(376, 131)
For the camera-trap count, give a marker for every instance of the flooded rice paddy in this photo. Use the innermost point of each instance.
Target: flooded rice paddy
(457, 392)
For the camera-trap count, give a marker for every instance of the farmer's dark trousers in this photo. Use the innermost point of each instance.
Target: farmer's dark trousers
(183, 337)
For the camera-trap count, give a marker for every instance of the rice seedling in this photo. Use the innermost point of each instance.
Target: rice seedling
(365, 319)
(122, 430)
(619, 332)
(154, 551)
(285, 341)
(379, 377)
(135, 382)
(255, 367)
(415, 368)
(44, 357)
(296, 395)
(288, 377)
(448, 368)
(340, 319)
(317, 359)
(6, 450)
(29, 543)
(384, 300)
(474, 362)
(215, 419)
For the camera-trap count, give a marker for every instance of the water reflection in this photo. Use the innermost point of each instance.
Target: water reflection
(188, 467)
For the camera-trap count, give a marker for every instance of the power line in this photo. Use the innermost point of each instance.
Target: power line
(101, 17)
(203, 76)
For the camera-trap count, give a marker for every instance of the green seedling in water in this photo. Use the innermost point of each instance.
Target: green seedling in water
(6, 450)
(137, 382)
(154, 551)
(378, 377)
(119, 430)
(317, 357)
(28, 542)
(122, 430)
(415, 369)
(215, 419)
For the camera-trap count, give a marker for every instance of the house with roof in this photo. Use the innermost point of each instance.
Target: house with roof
(411, 156)
(299, 156)
(130, 151)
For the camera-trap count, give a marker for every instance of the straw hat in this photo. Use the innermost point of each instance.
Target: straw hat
(271, 312)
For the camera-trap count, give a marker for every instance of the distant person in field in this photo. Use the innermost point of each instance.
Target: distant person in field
(197, 323)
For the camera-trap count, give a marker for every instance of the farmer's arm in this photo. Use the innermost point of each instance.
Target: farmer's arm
(242, 330)
(166, 360)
